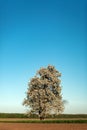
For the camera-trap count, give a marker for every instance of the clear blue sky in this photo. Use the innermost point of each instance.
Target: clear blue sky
(35, 33)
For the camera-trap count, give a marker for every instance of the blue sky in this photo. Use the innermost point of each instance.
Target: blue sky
(35, 33)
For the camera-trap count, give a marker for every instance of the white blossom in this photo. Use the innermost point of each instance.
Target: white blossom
(44, 92)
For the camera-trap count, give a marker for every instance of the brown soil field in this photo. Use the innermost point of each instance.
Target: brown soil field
(28, 126)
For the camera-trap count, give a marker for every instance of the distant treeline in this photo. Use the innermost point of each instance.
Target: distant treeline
(21, 115)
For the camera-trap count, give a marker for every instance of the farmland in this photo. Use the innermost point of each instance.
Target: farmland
(61, 116)
(10, 121)
(22, 118)
(27, 126)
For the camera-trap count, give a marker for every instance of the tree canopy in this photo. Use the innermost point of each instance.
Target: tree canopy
(44, 93)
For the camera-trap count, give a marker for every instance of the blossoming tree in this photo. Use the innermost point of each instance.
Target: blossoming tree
(44, 93)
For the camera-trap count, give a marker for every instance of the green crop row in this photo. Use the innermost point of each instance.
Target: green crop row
(21, 115)
(46, 121)
(12, 115)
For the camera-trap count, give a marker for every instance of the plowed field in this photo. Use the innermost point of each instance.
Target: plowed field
(28, 126)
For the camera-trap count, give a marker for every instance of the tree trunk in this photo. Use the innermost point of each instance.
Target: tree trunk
(41, 118)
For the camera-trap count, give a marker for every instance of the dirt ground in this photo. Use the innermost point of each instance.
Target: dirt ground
(27, 126)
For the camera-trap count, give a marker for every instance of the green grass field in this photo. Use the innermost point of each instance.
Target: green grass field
(18, 115)
(22, 118)
(44, 121)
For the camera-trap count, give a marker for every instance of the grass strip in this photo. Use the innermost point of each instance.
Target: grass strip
(45, 121)
(23, 115)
